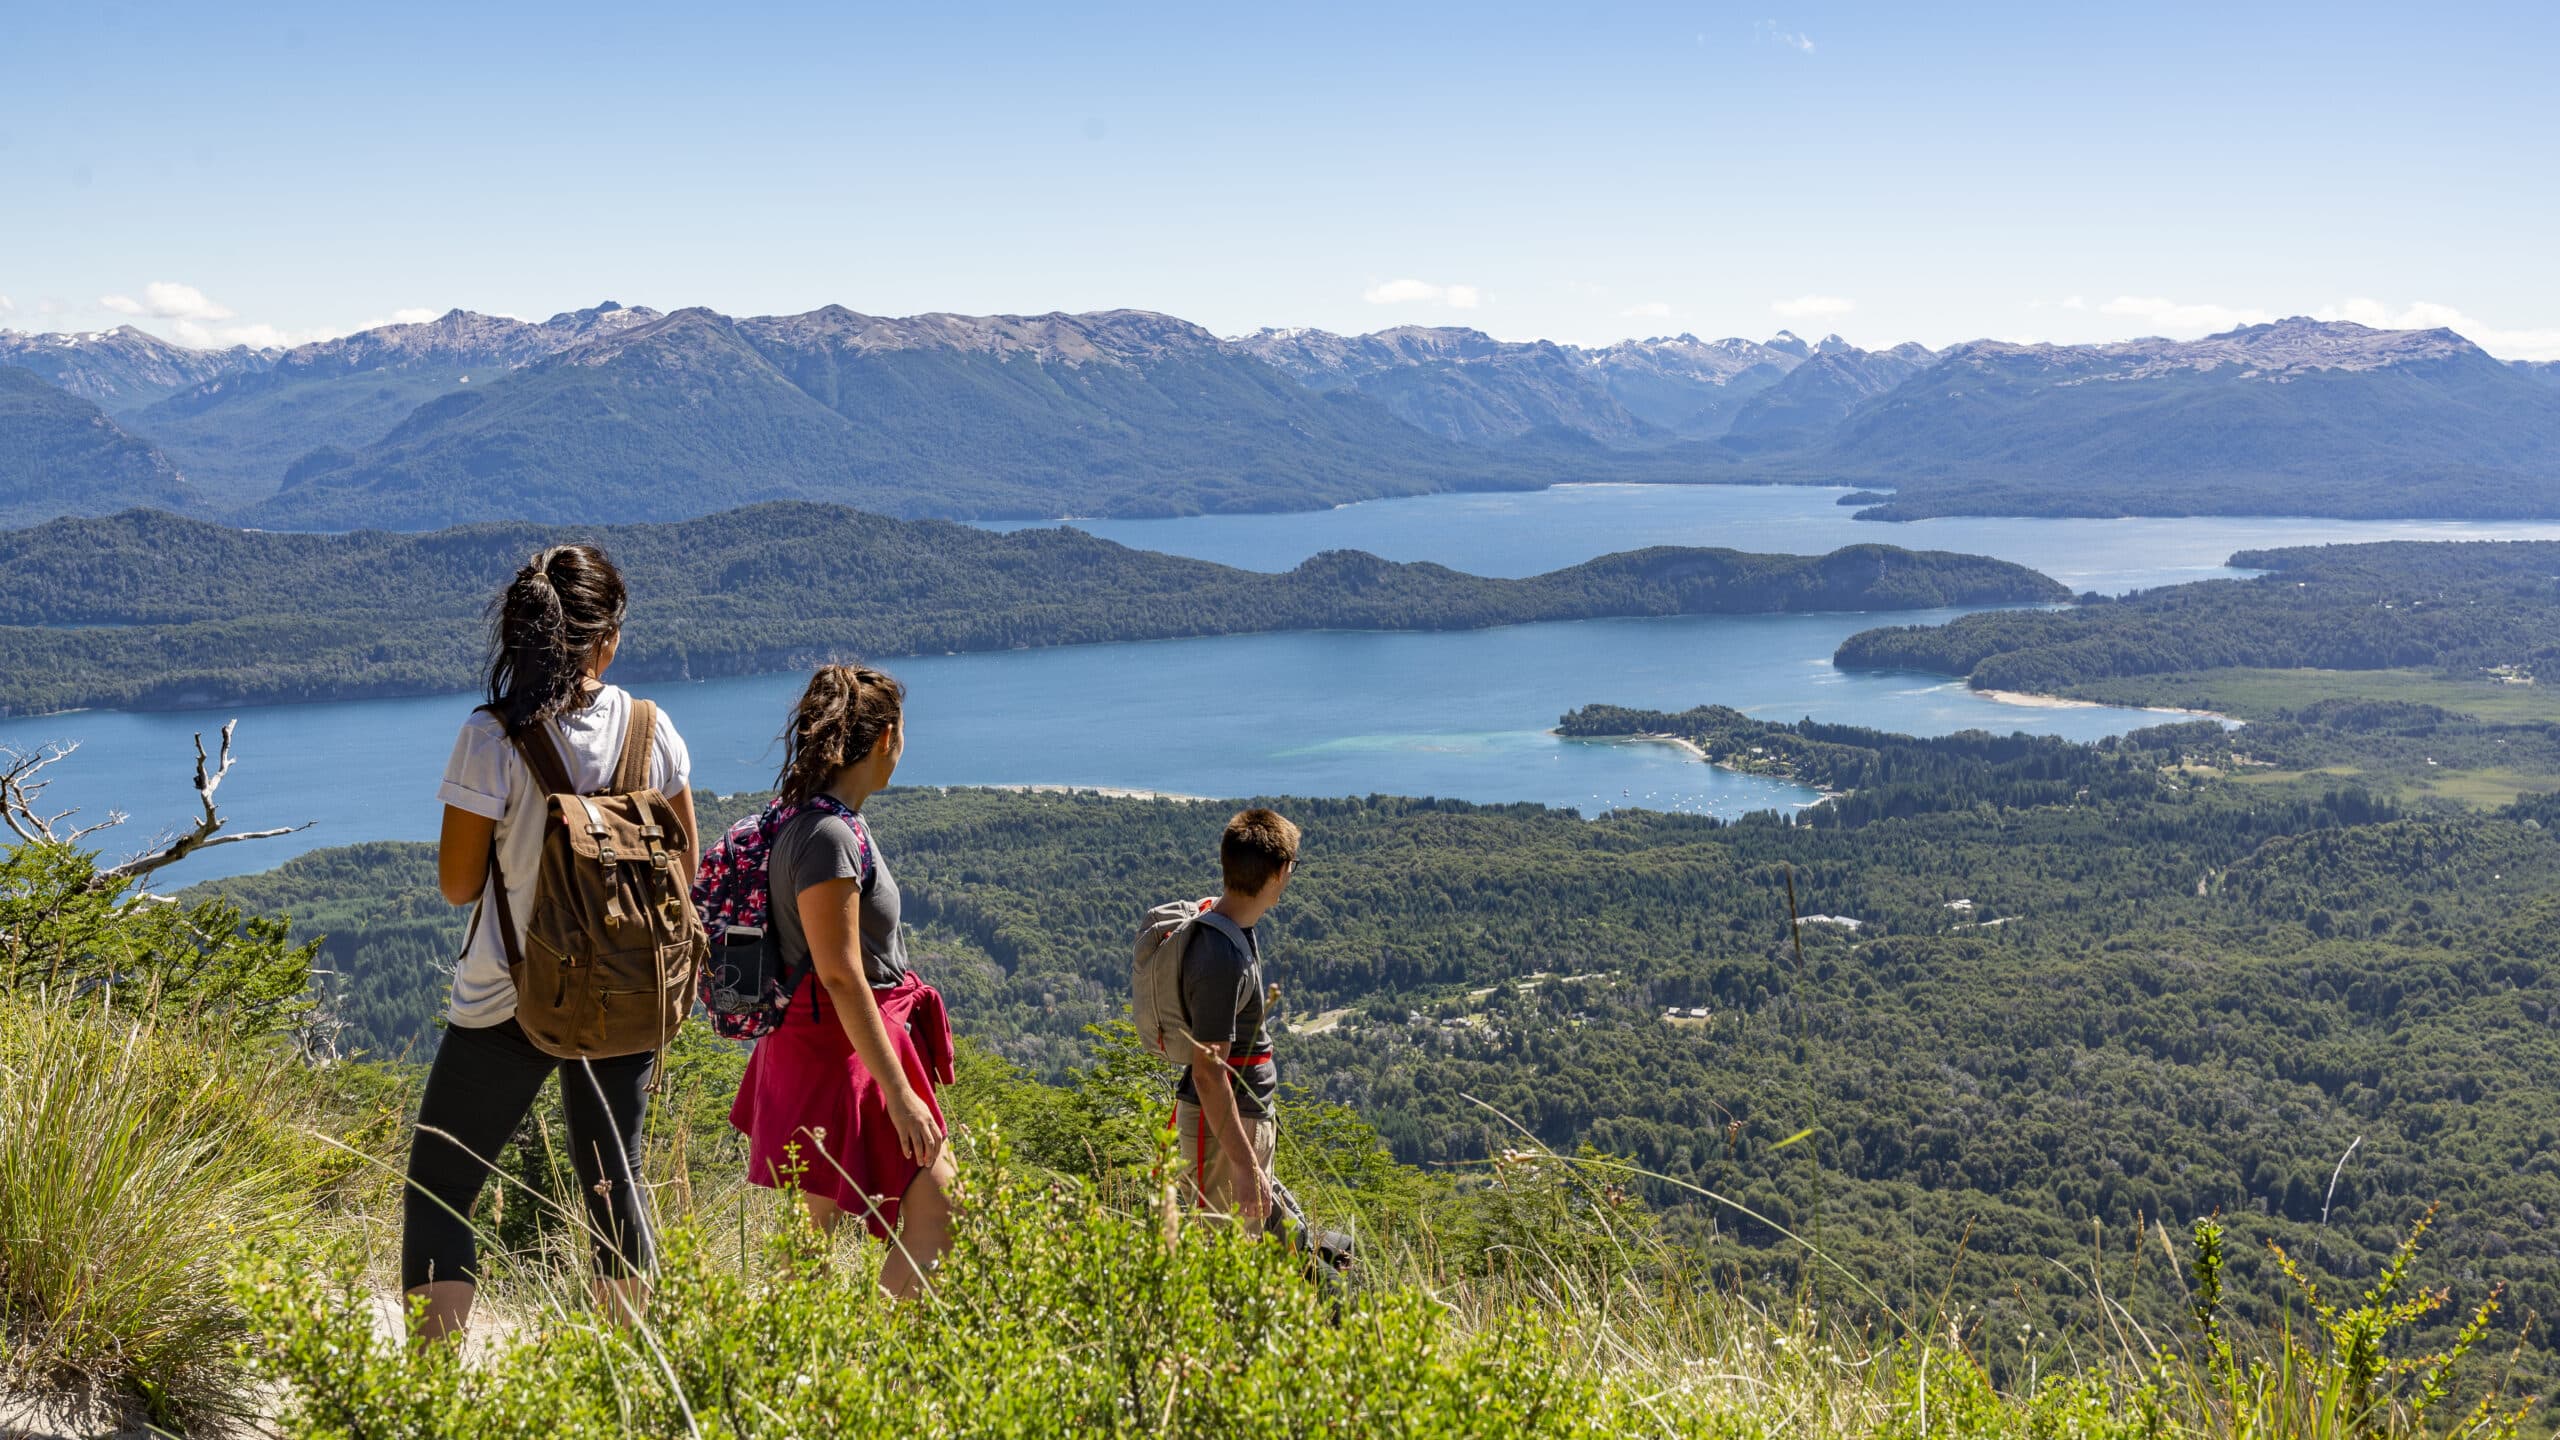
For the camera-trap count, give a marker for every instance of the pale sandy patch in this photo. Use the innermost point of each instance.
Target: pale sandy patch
(1108, 792)
(2064, 702)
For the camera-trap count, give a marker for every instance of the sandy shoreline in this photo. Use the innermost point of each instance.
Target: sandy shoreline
(1696, 751)
(2038, 702)
(2064, 702)
(1108, 792)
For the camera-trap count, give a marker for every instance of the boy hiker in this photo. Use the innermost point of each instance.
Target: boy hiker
(1223, 1103)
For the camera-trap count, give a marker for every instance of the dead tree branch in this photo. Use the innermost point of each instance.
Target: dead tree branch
(205, 834)
(22, 793)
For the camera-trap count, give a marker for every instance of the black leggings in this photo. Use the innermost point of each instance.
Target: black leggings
(479, 1090)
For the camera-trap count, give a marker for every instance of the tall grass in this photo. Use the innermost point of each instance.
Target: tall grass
(139, 1163)
(1078, 1304)
(1073, 1306)
(134, 1160)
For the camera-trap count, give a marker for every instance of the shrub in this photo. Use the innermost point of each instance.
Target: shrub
(1056, 1314)
(133, 1158)
(75, 942)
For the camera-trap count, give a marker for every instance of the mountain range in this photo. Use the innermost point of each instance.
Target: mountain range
(622, 413)
(124, 368)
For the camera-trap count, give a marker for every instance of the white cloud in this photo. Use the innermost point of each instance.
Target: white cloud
(1649, 310)
(1812, 307)
(2173, 318)
(191, 317)
(2074, 302)
(7, 304)
(256, 337)
(2426, 315)
(414, 315)
(1423, 292)
(168, 300)
(1792, 39)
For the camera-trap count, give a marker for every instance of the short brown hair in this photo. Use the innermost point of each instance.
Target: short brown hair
(1258, 845)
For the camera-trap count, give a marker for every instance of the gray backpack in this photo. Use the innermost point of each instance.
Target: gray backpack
(1163, 1025)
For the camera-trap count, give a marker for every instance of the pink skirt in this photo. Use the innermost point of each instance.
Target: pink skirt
(814, 1116)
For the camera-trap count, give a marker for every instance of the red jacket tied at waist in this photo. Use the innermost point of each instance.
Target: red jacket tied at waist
(815, 1116)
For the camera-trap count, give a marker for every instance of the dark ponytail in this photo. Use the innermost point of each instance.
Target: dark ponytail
(840, 717)
(566, 601)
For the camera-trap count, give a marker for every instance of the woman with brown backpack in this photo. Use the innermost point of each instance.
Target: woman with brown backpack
(568, 824)
(838, 1099)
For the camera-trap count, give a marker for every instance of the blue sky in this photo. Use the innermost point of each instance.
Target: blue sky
(1576, 171)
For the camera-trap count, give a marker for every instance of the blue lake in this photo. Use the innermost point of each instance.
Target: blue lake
(1462, 715)
(1530, 532)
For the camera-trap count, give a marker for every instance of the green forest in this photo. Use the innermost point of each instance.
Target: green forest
(1994, 429)
(146, 610)
(2007, 1057)
(2035, 997)
(1993, 1001)
(48, 437)
(2473, 610)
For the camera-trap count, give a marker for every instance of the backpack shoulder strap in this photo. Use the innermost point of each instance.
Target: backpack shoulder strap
(541, 755)
(637, 737)
(863, 848)
(870, 858)
(1229, 928)
(506, 912)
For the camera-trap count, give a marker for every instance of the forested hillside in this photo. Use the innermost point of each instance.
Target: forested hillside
(1120, 413)
(238, 433)
(622, 414)
(2039, 991)
(52, 441)
(148, 610)
(2464, 609)
(2295, 417)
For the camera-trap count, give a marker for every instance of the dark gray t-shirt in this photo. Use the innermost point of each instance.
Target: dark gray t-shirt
(814, 848)
(1222, 998)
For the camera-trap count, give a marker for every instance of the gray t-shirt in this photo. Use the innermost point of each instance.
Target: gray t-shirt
(1222, 998)
(814, 848)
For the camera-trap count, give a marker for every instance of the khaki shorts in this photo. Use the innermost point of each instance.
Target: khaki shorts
(1204, 1160)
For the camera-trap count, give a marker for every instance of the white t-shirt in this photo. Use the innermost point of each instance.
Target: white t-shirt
(487, 777)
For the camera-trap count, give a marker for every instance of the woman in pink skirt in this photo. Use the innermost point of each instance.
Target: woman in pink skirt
(839, 1100)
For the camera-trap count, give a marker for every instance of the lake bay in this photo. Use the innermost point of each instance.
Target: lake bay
(1454, 714)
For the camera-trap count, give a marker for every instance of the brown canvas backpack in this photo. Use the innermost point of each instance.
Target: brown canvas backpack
(608, 961)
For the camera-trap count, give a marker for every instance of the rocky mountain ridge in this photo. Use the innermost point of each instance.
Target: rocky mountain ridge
(125, 368)
(1100, 337)
(2279, 350)
(461, 336)
(1134, 412)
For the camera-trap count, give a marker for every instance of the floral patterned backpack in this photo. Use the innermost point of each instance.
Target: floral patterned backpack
(748, 982)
